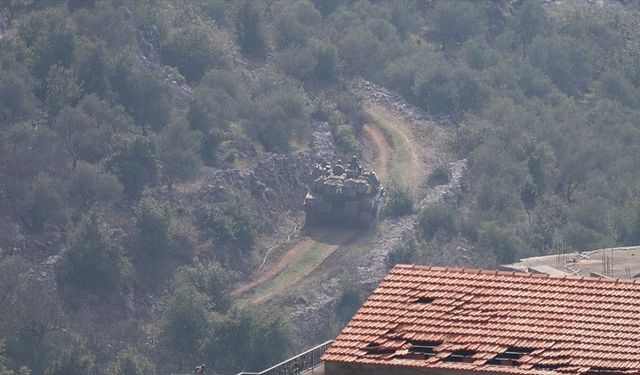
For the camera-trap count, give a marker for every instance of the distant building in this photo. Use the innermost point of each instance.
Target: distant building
(617, 262)
(430, 320)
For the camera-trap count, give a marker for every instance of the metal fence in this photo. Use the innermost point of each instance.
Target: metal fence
(298, 364)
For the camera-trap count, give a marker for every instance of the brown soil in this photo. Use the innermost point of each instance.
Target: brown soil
(381, 149)
(403, 129)
(287, 257)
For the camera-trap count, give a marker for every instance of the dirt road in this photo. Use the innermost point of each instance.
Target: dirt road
(380, 148)
(310, 250)
(391, 152)
(404, 159)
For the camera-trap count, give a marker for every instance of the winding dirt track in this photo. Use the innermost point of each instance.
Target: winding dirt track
(290, 256)
(306, 254)
(381, 149)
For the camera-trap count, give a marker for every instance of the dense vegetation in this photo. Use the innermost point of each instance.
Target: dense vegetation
(107, 106)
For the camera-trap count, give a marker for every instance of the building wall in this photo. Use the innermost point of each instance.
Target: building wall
(331, 368)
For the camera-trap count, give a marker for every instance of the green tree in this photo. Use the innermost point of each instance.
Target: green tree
(346, 306)
(107, 116)
(566, 60)
(89, 185)
(326, 67)
(94, 261)
(615, 86)
(399, 201)
(296, 61)
(456, 21)
(212, 280)
(295, 24)
(17, 101)
(362, 52)
(26, 151)
(443, 90)
(500, 241)
(250, 29)
(4, 370)
(152, 224)
(247, 339)
(179, 154)
(195, 49)
(234, 224)
(145, 97)
(81, 136)
(46, 203)
(440, 175)
(435, 219)
(130, 362)
(185, 321)
(104, 21)
(217, 102)
(49, 35)
(412, 250)
(403, 17)
(281, 113)
(39, 314)
(530, 21)
(326, 7)
(91, 63)
(63, 89)
(134, 163)
(76, 360)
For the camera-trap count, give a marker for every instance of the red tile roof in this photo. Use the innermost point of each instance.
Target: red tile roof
(495, 321)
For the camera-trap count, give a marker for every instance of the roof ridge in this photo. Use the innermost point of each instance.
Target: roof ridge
(513, 273)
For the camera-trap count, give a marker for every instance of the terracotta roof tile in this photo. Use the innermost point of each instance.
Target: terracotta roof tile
(506, 322)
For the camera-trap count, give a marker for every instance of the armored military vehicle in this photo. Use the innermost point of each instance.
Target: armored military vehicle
(343, 195)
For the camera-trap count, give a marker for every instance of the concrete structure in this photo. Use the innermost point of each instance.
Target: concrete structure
(618, 262)
(432, 320)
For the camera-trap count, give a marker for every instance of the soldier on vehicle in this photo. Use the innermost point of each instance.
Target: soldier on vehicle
(338, 169)
(353, 163)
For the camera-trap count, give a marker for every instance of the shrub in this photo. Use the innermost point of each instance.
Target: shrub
(345, 139)
(134, 163)
(211, 280)
(499, 240)
(298, 62)
(399, 201)
(247, 339)
(250, 29)
(179, 153)
(46, 203)
(94, 262)
(194, 50)
(347, 304)
(281, 113)
(17, 101)
(235, 223)
(152, 224)
(88, 185)
(441, 175)
(411, 251)
(436, 219)
(76, 360)
(130, 362)
(184, 322)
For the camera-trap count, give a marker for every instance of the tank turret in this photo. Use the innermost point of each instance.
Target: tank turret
(342, 194)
